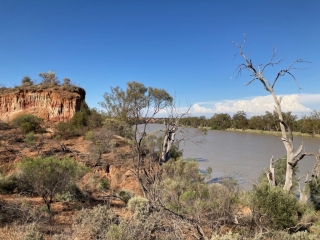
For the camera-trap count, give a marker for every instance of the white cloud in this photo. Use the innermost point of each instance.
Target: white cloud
(296, 103)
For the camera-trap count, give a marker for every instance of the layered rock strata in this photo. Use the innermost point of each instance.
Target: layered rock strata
(52, 104)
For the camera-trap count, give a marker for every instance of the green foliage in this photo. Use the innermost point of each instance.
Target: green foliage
(62, 128)
(125, 195)
(96, 220)
(104, 184)
(49, 176)
(280, 168)
(183, 190)
(72, 194)
(239, 120)
(30, 139)
(49, 78)
(281, 208)
(26, 81)
(302, 235)
(32, 232)
(220, 121)
(140, 206)
(120, 128)
(128, 106)
(133, 229)
(8, 183)
(28, 123)
(81, 118)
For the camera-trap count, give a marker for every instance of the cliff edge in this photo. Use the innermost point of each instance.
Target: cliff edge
(52, 103)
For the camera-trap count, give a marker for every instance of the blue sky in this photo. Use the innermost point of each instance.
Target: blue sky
(183, 46)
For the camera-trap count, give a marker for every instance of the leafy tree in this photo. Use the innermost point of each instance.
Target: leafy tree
(49, 176)
(220, 121)
(133, 106)
(256, 122)
(101, 143)
(270, 121)
(239, 120)
(135, 103)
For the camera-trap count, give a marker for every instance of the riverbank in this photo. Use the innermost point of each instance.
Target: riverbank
(297, 134)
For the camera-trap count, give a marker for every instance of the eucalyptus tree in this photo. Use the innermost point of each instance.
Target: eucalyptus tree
(220, 121)
(49, 78)
(257, 74)
(135, 106)
(239, 120)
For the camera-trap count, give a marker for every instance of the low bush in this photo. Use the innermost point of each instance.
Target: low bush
(28, 123)
(182, 189)
(274, 207)
(95, 221)
(139, 206)
(125, 195)
(49, 176)
(104, 184)
(63, 129)
(8, 183)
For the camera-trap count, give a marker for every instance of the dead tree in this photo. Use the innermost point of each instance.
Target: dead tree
(171, 128)
(257, 73)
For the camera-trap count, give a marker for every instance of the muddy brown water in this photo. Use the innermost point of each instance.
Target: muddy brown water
(238, 154)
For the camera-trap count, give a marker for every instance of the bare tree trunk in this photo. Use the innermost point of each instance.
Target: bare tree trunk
(286, 133)
(270, 173)
(168, 141)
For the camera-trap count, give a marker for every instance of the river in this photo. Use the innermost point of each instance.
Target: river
(239, 154)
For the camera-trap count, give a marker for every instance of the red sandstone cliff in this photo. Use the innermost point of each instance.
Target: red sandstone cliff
(52, 104)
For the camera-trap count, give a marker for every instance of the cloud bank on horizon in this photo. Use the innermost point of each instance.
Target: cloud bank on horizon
(299, 104)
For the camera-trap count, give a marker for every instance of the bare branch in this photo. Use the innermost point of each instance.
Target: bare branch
(298, 151)
(271, 63)
(251, 81)
(284, 71)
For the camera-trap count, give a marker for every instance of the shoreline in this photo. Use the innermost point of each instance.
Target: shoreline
(271, 132)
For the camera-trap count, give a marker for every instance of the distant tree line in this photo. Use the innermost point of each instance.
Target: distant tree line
(268, 122)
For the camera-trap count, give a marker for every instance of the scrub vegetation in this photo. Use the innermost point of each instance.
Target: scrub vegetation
(102, 175)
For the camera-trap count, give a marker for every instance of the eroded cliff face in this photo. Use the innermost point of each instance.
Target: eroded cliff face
(52, 104)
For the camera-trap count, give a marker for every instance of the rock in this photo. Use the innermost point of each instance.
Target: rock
(53, 104)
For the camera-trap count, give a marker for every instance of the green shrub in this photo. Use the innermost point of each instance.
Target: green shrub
(30, 139)
(63, 128)
(280, 168)
(104, 184)
(96, 220)
(32, 232)
(182, 189)
(279, 207)
(120, 128)
(8, 184)
(302, 235)
(28, 123)
(49, 176)
(125, 195)
(80, 119)
(140, 206)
